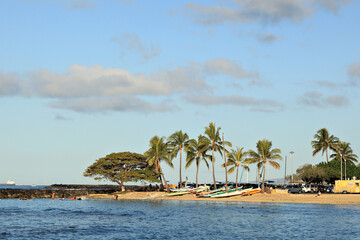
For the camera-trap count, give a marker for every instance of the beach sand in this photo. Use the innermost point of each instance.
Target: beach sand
(274, 197)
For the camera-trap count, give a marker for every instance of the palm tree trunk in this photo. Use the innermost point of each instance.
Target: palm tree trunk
(213, 167)
(345, 168)
(197, 172)
(341, 171)
(263, 182)
(327, 158)
(180, 167)
(237, 174)
(163, 177)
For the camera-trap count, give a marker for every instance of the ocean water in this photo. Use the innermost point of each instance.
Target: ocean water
(161, 219)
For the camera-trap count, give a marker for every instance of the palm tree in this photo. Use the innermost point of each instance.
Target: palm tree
(177, 142)
(323, 141)
(215, 144)
(344, 153)
(158, 151)
(263, 155)
(236, 159)
(196, 151)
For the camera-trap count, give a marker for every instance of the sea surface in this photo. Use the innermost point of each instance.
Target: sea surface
(162, 219)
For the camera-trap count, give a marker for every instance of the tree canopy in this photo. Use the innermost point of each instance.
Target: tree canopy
(122, 167)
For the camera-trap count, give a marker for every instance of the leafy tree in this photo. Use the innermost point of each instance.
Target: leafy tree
(158, 151)
(122, 167)
(323, 142)
(177, 142)
(263, 155)
(311, 174)
(236, 158)
(344, 153)
(215, 144)
(196, 151)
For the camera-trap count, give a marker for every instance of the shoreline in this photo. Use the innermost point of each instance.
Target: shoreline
(343, 199)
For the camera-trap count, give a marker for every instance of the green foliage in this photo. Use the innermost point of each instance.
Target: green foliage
(326, 172)
(158, 151)
(263, 155)
(344, 153)
(195, 152)
(215, 144)
(236, 158)
(311, 174)
(177, 142)
(323, 141)
(122, 167)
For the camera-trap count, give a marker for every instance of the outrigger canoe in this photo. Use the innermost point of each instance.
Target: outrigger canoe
(251, 192)
(230, 193)
(199, 189)
(171, 194)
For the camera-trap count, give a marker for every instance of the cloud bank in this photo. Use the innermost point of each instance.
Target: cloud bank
(99, 89)
(259, 11)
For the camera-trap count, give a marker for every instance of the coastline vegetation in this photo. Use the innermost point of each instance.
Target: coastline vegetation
(133, 167)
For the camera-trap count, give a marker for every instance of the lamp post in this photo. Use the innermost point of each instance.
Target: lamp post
(292, 172)
(226, 176)
(285, 171)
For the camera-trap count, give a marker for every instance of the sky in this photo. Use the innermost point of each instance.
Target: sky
(80, 79)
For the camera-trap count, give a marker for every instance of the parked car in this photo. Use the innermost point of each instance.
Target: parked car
(293, 188)
(326, 189)
(307, 188)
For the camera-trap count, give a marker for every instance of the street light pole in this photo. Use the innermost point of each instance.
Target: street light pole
(292, 172)
(285, 170)
(226, 176)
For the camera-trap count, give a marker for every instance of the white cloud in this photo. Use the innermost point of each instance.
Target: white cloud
(75, 4)
(99, 89)
(259, 11)
(9, 85)
(333, 5)
(82, 81)
(132, 43)
(267, 105)
(354, 73)
(316, 99)
(251, 11)
(223, 66)
(117, 104)
(268, 38)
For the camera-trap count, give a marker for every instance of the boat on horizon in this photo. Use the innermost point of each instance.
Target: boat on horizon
(8, 183)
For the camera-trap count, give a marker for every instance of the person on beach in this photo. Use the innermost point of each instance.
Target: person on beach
(53, 196)
(318, 194)
(116, 197)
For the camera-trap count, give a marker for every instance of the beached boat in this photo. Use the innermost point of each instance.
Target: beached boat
(180, 189)
(199, 189)
(208, 194)
(171, 194)
(230, 193)
(251, 192)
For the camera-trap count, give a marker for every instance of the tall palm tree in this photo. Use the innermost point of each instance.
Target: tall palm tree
(236, 159)
(177, 142)
(263, 155)
(215, 144)
(158, 151)
(196, 151)
(323, 142)
(345, 154)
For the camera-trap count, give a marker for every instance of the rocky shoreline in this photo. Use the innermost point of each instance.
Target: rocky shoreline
(70, 190)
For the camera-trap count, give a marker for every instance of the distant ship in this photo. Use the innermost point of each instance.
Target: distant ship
(9, 182)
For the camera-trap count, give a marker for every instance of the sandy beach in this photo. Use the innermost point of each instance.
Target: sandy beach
(274, 197)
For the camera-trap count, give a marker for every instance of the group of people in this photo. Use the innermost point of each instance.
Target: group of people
(73, 198)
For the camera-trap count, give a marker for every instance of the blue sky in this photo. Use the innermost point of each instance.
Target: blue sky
(80, 79)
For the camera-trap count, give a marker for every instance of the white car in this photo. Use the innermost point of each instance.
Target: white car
(307, 188)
